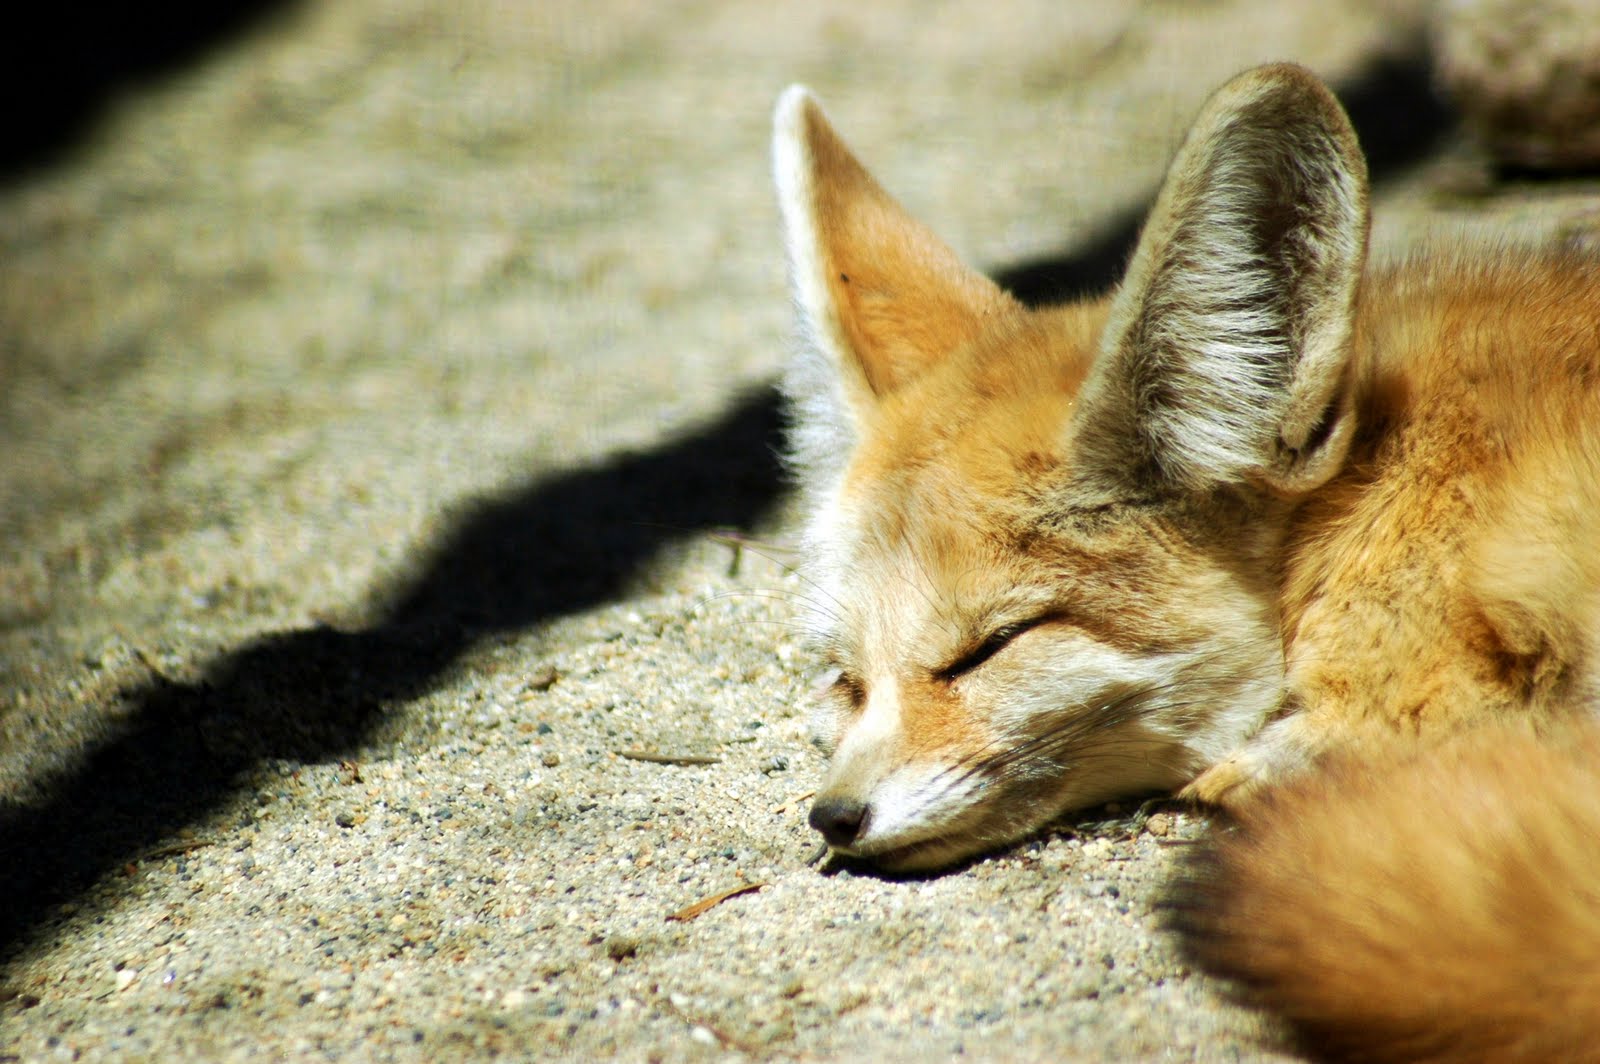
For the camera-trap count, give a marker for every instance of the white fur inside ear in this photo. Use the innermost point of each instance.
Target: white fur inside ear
(822, 430)
(1212, 428)
(1226, 345)
(1243, 331)
(794, 171)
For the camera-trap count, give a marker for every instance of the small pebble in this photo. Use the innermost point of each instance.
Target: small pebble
(542, 680)
(621, 947)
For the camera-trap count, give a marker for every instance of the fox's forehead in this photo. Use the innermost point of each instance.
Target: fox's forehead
(922, 561)
(944, 523)
(920, 566)
(917, 572)
(937, 553)
(990, 415)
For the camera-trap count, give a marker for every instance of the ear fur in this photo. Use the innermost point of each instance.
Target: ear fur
(1226, 354)
(879, 297)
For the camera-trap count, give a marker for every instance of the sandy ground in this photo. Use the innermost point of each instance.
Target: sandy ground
(377, 392)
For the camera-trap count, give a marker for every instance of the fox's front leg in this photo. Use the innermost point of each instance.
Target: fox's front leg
(1279, 750)
(1291, 744)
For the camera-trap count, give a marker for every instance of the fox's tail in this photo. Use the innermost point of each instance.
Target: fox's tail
(1445, 906)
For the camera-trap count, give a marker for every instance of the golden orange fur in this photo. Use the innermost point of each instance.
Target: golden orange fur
(1451, 574)
(1442, 907)
(1264, 526)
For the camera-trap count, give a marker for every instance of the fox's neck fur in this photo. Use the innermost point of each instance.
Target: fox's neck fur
(1449, 572)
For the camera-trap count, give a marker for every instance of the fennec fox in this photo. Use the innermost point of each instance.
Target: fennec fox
(1259, 508)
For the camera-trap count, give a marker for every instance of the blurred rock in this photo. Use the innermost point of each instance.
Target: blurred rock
(1526, 77)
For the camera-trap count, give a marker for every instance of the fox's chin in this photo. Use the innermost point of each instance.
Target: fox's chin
(928, 855)
(935, 853)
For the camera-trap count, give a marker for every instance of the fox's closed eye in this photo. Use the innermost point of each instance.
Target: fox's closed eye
(848, 687)
(988, 647)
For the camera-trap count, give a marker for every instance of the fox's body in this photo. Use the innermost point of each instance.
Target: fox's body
(1260, 505)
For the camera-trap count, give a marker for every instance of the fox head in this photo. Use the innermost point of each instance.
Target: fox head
(1042, 543)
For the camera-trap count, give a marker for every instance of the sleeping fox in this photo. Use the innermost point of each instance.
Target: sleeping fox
(1313, 542)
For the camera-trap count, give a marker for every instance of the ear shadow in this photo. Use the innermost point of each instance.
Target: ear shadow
(1399, 119)
(576, 540)
(554, 547)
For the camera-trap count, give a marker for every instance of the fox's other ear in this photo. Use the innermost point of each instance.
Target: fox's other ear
(1225, 359)
(879, 296)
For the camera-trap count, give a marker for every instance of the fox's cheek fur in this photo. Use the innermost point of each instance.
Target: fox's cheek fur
(831, 704)
(828, 723)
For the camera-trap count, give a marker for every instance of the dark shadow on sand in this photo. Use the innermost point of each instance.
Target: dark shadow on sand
(555, 547)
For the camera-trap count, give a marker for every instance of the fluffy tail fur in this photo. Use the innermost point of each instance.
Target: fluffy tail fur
(1444, 906)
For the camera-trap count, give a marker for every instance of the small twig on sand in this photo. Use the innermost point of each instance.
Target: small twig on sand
(796, 800)
(689, 912)
(668, 759)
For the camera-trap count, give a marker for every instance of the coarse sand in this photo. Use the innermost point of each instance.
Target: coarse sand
(396, 585)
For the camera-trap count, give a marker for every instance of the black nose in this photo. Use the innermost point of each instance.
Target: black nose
(841, 820)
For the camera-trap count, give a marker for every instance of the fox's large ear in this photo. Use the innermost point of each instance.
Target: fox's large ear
(880, 297)
(1225, 358)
